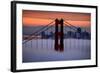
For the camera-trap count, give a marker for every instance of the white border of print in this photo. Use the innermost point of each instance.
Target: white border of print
(35, 65)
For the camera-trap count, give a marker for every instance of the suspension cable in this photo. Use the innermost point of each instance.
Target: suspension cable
(39, 31)
(70, 27)
(71, 24)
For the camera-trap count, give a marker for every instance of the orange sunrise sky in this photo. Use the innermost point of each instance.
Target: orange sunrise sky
(35, 18)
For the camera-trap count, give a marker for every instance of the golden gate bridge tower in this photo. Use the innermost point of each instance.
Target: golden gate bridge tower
(59, 46)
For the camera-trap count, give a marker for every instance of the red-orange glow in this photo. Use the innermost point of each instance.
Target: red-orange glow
(80, 23)
(35, 21)
(35, 18)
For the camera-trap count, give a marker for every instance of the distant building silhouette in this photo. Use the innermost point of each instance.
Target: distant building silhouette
(78, 34)
(70, 34)
(86, 35)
